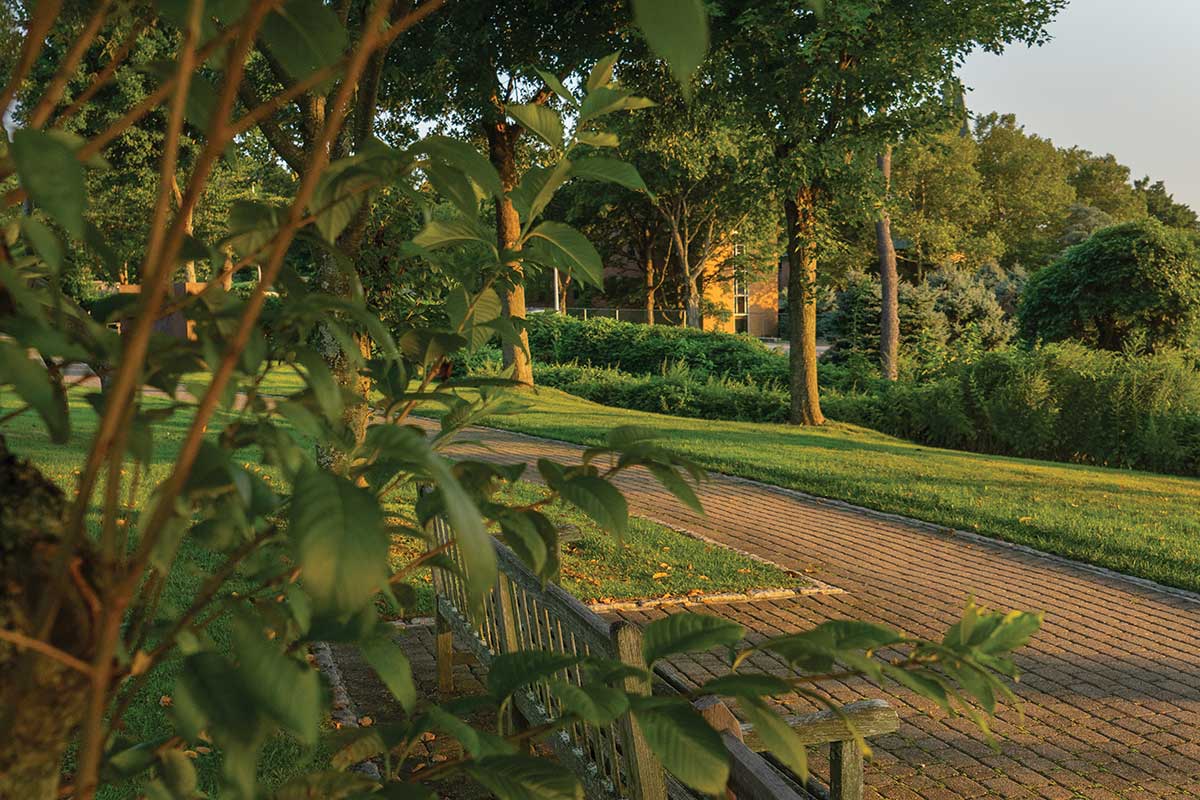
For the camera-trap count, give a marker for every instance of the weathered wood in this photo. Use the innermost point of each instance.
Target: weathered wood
(445, 655)
(646, 777)
(719, 716)
(752, 777)
(845, 771)
(869, 718)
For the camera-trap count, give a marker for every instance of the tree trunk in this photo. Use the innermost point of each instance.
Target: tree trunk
(189, 267)
(42, 701)
(802, 307)
(692, 304)
(501, 140)
(649, 286)
(889, 328)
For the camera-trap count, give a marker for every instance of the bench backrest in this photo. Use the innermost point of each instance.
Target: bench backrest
(521, 613)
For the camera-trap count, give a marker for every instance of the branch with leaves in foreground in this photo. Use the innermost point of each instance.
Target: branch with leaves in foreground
(305, 558)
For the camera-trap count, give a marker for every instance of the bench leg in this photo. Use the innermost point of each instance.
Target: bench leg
(845, 771)
(445, 656)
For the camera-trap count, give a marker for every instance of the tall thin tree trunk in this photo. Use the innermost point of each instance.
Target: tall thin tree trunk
(501, 139)
(189, 267)
(802, 307)
(649, 285)
(889, 328)
(692, 316)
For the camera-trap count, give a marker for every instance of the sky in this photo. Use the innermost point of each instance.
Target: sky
(1119, 76)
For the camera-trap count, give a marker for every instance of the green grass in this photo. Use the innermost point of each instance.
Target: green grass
(652, 561)
(1138, 523)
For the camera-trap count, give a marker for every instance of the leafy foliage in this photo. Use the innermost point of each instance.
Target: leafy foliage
(1133, 285)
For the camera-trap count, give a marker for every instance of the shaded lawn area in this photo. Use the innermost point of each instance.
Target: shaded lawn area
(652, 561)
(1138, 523)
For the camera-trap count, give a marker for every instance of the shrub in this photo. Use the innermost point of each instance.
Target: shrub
(647, 349)
(1128, 285)
(1062, 402)
(676, 390)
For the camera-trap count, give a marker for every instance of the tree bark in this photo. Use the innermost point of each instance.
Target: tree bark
(800, 211)
(889, 327)
(189, 267)
(649, 256)
(501, 141)
(42, 700)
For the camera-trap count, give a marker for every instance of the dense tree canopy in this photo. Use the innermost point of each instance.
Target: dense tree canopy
(1131, 285)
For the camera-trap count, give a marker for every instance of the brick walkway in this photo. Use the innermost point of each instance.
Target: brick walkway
(1111, 686)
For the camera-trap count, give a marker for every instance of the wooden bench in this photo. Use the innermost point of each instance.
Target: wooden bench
(614, 761)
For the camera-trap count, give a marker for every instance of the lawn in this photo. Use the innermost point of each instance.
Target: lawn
(652, 561)
(1138, 523)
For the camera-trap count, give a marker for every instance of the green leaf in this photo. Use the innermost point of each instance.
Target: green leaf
(598, 138)
(479, 743)
(606, 100)
(510, 671)
(746, 684)
(355, 745)
(252, 225)
(455, 186)
(687, 746)
(304, 36)
(677, 32)
(601, 74)
(465, 158)
(445, 232)
(341, 191)
(556, 86)
(609, 170)
(341, 546)
(598, 705)
(920, 682)
(779, 738)
(178, 773)
(1016, 629)
(599, 499)
(525, 778)
(288, 690)
(686, 632)
(53, 177)
(324, 386)
(677, 485)
(568, 249)
(544, 122)
(44, 241)
(392, 667)
(33, 384)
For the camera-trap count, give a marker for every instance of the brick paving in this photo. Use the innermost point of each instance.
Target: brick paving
(1110, 687)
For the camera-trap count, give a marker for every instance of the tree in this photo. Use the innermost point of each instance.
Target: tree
(939, 203)
(832, 89)
(1136, 284)
(704, 164)
(889, 279)
(1025, 179)
(489, 70)
(1161, 205)
(1103, 183)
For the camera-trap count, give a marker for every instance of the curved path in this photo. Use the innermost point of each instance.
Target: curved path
(1111, 686)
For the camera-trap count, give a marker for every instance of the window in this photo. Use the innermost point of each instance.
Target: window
(739, 250)
(741, 295)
